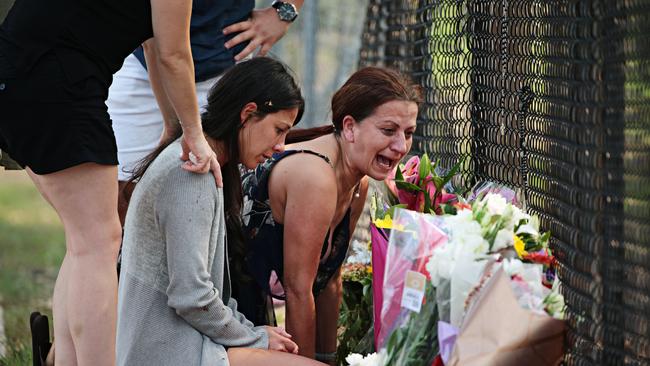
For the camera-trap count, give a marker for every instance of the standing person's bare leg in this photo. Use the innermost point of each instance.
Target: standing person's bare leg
(84, 198)
(125, 190)
(65, 352)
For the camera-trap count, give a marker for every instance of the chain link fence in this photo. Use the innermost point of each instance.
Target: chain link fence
(551, 97)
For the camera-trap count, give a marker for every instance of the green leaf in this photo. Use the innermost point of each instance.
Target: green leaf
(408, 186)
(448, 209)
(427, 202)
(425, 167)
(454, 169)
(398, 173)
(438, 183)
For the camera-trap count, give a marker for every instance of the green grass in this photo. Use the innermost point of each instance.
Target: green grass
(32, 246)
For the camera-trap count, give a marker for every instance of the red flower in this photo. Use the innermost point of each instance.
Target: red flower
(543, 257)
(437, 361)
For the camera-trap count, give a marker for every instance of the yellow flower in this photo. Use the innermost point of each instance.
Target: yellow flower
(385, 223)
(520, 247)
(369, 269)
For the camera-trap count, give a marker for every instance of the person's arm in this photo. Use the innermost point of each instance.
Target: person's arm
(174, 71)
(327, 316)
(171, 123)
(308, 212)
(186, 208)
(279, 339)
(328, 302)
(262, 30)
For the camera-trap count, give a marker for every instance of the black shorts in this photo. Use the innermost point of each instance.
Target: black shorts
(48, 123)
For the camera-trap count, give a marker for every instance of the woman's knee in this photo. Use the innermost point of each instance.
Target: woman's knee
(101, 240)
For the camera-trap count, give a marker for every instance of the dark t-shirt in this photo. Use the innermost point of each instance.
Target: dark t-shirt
(90, 37)
(209, 18)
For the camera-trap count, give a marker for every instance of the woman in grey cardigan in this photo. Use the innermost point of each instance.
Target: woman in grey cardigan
(174, 304)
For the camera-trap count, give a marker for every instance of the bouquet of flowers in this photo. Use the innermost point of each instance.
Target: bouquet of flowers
(454, 268)
(355, 315)
(405, 320)
(420, 186)
(493, 236)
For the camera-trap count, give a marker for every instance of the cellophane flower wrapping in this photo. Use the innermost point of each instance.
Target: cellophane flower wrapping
(379, 240)
(412, 241)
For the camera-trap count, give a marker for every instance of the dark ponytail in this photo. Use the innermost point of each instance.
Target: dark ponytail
(305, 134)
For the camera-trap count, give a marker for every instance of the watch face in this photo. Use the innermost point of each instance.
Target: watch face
(286, 12)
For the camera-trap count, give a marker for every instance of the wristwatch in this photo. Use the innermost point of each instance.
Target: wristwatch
(286, 11)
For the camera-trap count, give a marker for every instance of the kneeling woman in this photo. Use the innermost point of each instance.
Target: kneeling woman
(174, 304)
(302, 205)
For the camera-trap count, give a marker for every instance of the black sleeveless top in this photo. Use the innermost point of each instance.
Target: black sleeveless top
(264, 239)
(90, 37)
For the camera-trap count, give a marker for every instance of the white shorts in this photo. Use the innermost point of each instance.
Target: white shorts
(137, 121)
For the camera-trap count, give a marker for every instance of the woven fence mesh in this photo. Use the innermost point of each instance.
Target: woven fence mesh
(551, 97)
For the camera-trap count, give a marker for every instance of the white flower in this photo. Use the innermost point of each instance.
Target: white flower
(527, 286)
(466, 244)
(518, 215)
(534, 222)
(359, 253)
(354, 359)
(496, 203)
(504, 239)
(376, 359)
(373, 359)
(555, 301)
(527, 229)
(465, 233)
(440, 264)
(513, 266)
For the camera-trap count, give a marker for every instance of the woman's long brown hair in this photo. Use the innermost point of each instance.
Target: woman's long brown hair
(269, 84)
(361, 94)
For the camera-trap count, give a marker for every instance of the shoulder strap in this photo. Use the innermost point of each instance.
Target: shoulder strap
(255, 182)
(324, 157)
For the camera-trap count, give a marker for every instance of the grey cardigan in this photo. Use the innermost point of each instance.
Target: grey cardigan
(174, 305)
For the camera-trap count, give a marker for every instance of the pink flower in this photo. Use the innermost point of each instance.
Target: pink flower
(412, 166)
(415, 201)
(410, 172)
(410, 199)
